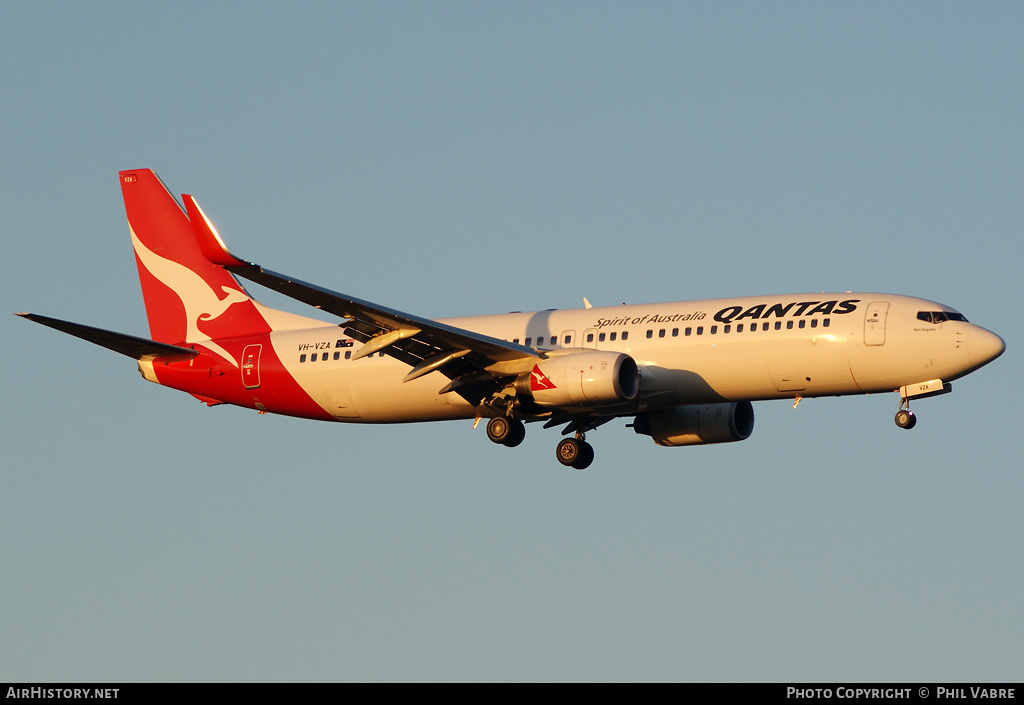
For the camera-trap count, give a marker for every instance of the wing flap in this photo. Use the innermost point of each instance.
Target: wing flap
(379, 342)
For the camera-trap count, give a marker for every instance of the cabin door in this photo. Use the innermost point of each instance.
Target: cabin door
(874, 323)
(251, 366)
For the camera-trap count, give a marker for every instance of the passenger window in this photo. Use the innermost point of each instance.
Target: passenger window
(302, 358)
(700, 330)
(789, 325)
(726, 329)
(778, 325)
(590, 337)
(611, 336)
(661, 333)
(528, 341)
(337, 355)
(826, 323)
(348, 354)
(515, 340)
(814, 323)
(687, 331)
(803, 323)
(675, 332)
(625, 334)
(650, 334)
(714, 330)
(739, 327)
(568, 339)
(312, 358)
(600, 337)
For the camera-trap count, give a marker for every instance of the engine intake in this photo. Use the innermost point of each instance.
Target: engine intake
(592, 378)
(697, 424)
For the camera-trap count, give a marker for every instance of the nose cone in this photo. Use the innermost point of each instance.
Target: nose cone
(983, 346)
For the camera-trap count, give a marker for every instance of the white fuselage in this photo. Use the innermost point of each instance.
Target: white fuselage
(688, 352)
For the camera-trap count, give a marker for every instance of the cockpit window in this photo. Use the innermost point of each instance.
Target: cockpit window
(940, 316)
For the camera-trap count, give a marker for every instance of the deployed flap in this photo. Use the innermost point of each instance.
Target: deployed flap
(133, 347)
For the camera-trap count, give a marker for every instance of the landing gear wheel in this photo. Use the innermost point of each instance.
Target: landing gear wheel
(506, 431)
(574, 453)
(586, 456)
(905, 419)
(516, 433)
(498, 429)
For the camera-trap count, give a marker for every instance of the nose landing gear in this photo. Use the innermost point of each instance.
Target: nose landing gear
(905, 417)
(932, 388)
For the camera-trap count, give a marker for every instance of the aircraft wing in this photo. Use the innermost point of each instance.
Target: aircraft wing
(130, 345)
(475, 363)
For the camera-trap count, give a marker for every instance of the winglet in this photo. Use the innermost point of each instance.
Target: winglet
(209, 241)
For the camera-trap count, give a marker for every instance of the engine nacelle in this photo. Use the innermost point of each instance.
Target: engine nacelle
(696, 424)
(591, 378)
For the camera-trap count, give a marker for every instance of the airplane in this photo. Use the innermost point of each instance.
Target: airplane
(684, 372)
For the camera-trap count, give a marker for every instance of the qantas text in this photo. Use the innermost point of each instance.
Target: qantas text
(801, 308)
(737, 313)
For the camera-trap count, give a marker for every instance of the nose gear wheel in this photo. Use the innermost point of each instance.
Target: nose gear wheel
(905, 417)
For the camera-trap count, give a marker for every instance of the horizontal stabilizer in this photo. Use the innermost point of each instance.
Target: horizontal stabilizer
(133, 347)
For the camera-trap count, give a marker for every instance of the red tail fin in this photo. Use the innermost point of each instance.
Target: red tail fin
(188, 299)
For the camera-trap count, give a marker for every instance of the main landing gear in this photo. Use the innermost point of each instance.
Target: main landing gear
(575, 452)
(571, 452)
(506, 431)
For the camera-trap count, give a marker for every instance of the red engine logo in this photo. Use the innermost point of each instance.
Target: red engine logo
(539, 381)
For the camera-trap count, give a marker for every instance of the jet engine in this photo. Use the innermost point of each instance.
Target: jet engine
(697, 424)
(591, 378)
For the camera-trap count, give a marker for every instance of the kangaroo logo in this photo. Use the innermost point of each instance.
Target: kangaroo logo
(539, 380)
(201, 301)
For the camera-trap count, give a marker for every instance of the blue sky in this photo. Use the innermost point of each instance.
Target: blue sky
(464, 158)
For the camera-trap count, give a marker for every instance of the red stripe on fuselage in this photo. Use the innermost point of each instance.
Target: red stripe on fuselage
(208, 375)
